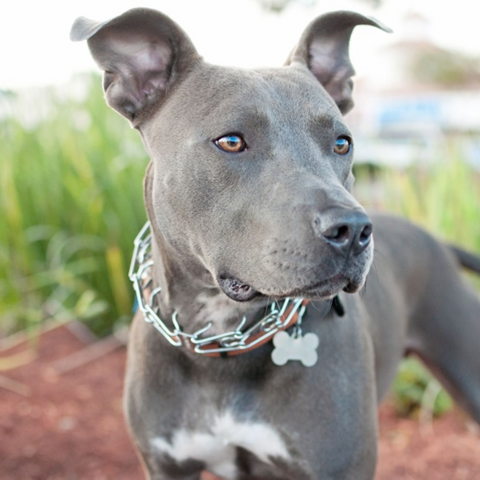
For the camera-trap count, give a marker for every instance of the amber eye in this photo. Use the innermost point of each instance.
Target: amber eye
(231, 143)
(342, 145)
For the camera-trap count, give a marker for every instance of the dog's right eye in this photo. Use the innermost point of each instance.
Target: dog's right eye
(342, 145)
(231, 143)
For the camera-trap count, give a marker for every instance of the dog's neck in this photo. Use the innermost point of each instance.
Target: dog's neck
(188, 288)
(195, 298)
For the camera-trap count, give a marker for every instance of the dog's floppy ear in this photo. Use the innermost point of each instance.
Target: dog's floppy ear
(324, 48)
(142, 53)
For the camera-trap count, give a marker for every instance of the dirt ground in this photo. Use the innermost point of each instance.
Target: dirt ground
(61, 418)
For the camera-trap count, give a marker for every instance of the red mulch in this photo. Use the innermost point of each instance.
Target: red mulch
(69, 426)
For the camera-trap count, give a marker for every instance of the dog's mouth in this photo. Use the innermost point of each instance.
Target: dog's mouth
(327, 288)
(236, 289)
(323, 290)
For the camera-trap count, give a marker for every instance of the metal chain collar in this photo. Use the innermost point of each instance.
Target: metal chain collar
(279, 318)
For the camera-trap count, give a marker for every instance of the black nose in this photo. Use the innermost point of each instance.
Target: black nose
(346, 231)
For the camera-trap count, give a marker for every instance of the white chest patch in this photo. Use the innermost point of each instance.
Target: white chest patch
(217, 446)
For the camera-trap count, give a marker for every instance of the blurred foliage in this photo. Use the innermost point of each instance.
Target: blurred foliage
(443, 197)
(71, 204)
(415, 389)
(445, 68)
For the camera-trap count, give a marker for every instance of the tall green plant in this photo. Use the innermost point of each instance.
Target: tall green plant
(444, 198)
(71, 204)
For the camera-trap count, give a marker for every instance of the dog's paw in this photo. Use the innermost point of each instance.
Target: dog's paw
(301, 348)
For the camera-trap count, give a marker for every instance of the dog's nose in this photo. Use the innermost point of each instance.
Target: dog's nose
(347, 232)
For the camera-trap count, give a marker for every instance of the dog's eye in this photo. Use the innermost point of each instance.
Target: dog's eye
(231, 143)
(342, 145)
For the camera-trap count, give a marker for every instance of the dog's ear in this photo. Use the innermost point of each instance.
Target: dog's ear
(142, 53)
(324, 48)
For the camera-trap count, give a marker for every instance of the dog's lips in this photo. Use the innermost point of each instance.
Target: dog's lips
(353, 287)
(332, 286)
(236, 289)
(324, 289)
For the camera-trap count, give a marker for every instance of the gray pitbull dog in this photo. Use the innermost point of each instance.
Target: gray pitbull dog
(248, 197)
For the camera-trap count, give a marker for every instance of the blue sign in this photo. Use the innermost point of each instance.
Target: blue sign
(415, 110)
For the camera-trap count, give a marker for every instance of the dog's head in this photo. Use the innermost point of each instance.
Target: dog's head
(251, 169)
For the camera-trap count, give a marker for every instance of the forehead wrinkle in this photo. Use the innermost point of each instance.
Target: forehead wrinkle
(296, 97)
(260, 91)
(244, 120)
(255, 116)
(323, 121)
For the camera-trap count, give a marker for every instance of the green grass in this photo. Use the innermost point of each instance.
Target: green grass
(445, 199)
(71, 204)
(415, 390)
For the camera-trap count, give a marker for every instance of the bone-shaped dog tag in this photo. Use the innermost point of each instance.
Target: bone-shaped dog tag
(302, 348)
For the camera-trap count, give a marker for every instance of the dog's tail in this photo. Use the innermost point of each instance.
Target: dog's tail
(467, 260)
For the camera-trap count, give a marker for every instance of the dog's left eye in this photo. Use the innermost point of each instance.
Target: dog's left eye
(231, 143)
(342, 145)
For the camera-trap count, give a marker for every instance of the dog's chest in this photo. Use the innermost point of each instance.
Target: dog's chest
(217, 445)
